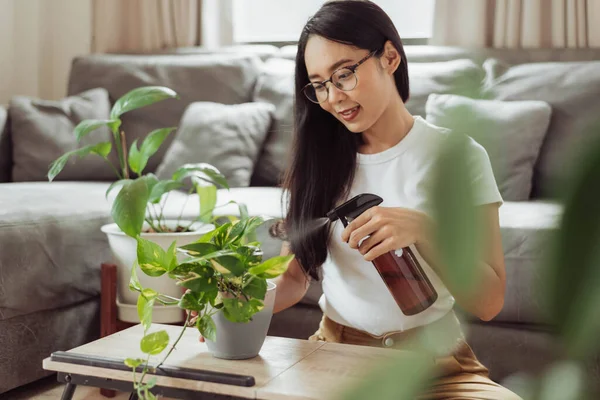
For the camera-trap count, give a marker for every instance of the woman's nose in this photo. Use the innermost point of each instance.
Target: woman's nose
(335, 95)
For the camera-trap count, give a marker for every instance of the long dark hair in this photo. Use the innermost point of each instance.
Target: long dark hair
(324, 151)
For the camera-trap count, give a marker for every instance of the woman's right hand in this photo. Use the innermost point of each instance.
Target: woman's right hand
(192, 322)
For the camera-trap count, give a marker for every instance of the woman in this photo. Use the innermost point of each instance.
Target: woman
(354, 135)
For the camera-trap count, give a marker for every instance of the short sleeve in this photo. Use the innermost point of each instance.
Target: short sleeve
(482, 176)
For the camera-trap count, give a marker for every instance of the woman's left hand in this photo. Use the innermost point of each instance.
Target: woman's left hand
(389, 228)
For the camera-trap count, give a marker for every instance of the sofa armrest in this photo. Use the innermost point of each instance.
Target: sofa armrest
(5, 146)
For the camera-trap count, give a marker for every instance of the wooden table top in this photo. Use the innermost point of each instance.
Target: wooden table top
(284, 369)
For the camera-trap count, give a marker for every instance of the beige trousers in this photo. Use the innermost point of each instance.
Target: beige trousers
(460, 374)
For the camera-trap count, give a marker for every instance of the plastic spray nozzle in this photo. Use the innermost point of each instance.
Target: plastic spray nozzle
(354, 207)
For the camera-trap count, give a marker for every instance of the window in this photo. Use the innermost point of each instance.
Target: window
(275, 21)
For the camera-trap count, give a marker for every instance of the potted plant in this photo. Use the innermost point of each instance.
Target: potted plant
(138, 208)
(228, 286)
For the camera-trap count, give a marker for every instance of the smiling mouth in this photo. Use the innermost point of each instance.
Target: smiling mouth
(350, 113)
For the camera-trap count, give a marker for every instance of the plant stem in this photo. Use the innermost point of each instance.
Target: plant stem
(145, 370)
(116, 171)
(124, 149)
(162, 207)
(187, 320)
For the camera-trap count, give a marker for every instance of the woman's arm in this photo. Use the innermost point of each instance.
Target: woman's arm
(394, 228)
(291, 285)
(487, 297)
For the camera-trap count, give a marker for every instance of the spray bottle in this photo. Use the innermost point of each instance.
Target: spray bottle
(399, 269)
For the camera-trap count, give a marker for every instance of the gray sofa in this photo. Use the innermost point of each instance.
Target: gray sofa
(51, 246)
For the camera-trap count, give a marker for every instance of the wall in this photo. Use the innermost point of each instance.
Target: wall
(38, 40)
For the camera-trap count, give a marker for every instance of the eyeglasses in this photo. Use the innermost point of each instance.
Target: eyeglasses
(344, 79)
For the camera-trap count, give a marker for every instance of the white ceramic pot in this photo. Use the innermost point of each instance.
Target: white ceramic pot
(124, 249)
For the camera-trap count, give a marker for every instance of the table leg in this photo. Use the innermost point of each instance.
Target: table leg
(133, 396)
(69, 391)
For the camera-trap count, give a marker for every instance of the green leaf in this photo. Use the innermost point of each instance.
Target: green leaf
(161, 188)
(89, 125)
(243, 211)
(253, 224)
(202, 171)
(154, 343)
(135, 157)
(101, 149)
(133, 363)
(115, 185)
(403, 377)
(272, 268)
(171, 257)
(210, 256)
(200, 284)
(221, 236)
(129, 207)
(153, 260)
(256, 288)
(199, 269)
(207, 328)
(140, 97)
(150, 146)
(250, 255)
(207, 195)
(572, 277)
(236, 310)
(144, 309)
(192, 301)
(458, 233)
(236, 233)
(231, 264)
(199, 249)
(151, 383)
(134, 282)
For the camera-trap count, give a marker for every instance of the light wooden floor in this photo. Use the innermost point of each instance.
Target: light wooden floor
(49, 389)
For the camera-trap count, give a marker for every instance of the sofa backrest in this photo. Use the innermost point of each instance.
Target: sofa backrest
(226, 78)
(5, 146)
(567, 79)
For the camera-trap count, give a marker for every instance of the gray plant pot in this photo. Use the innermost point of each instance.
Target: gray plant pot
(240, 341)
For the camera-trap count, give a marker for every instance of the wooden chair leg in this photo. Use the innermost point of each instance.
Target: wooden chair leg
(108, 300)
(108, 308)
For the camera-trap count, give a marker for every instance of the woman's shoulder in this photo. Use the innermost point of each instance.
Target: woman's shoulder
(434, 135)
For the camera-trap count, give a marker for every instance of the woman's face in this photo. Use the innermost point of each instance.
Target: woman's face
(359, 108)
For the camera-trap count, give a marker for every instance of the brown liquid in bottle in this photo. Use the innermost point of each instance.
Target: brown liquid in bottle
(406, 280)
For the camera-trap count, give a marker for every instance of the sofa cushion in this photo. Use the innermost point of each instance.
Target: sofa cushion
(510, 131)
(462, 77)
(42, 131)
(219, 78)
(5, 146)
(572, 89)
(227, 136)
(276, 86)
(527, 229)
(52, 246)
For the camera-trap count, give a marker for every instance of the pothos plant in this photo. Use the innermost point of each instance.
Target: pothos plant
(224, 271)
(142, 197)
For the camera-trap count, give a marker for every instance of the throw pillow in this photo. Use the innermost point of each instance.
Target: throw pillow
(511, 132)
(573, 91)
(226, 78)
(42, 131)
(229, 137)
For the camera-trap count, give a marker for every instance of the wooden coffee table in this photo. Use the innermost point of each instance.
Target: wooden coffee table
(285, 368)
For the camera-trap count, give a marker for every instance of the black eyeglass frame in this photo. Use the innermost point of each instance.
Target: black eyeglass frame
(352, 68)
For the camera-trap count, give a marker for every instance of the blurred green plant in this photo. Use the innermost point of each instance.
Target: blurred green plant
(569, 284)
(143, 198)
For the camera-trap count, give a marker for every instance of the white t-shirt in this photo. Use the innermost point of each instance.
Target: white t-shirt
(353, 292)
